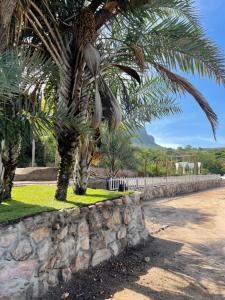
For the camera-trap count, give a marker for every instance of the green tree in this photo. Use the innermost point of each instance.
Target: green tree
(19, 85)
(117, 151)
(165, 32)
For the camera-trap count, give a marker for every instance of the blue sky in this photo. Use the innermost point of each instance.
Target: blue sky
(191, 127)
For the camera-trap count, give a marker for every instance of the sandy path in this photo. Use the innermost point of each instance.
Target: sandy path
(189, 248)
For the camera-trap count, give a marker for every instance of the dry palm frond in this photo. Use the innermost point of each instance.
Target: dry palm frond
(129, 71)
(97, 116)
(86, 27)
(138, 55)
(96, 159)
(92, 58)
(111, 108)
(182, 84)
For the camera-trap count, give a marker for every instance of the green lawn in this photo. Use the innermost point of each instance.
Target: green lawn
(33, 199)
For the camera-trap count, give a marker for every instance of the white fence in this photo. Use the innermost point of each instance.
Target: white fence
(142, 182)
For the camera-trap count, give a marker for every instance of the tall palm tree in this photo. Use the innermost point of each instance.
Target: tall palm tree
(7, 8)
(167, 32)
(21, 112)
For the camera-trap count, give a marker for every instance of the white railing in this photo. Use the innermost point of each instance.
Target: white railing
(142, 182)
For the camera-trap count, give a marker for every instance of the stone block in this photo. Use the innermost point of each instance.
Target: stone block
(106, 213)
(115, 248)
(95, 221)
(10, 271)
(81, 262)
(72, 229)
(83, 243)
(23, 250)
(41, 233)
(115, 219)
(134, 239)
(123, 243)
(67, 250)
(121, 234)
(116, 216)
(110, 236)
(100, 256)
(83, 228)
(53, 277)
(66, 274)
(118, 202)
(7, 240)
(98, 241)
(14, 290)
(127, 216)
(62, 233)
(2, 251)
(44, 251)
(108, 203)
(127, 200)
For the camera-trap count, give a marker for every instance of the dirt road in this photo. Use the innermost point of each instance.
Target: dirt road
(190, 242)
(187, 256)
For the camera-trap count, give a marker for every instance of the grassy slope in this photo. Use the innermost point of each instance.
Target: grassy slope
(28, 200)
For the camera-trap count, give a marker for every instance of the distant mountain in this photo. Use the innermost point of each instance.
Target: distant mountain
(144, 140)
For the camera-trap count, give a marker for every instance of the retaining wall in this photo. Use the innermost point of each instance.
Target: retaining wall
(44, 250)
(176, 189)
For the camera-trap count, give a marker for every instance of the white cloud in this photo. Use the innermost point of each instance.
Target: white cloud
(169, 145)
(172, 141)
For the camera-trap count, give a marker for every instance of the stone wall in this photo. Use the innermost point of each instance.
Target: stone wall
(50, 173)
(172, 190)
(44, 250)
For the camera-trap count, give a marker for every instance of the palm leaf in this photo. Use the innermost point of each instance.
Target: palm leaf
(183, 85)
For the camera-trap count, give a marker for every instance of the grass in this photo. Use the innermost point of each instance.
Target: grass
(33, 199)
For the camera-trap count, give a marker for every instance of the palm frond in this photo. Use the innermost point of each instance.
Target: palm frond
(181, 84)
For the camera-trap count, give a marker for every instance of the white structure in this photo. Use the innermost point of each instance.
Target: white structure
(188, 167)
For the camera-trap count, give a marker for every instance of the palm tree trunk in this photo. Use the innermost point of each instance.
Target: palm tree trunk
(73, 95)
(2, 170)
(82, 169)
(7, 8)
(67, 145)
(84, 159)
(69, 139)
(33, 153)
(10, 161)
(66, 137)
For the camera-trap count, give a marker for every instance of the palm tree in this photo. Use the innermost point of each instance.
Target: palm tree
(116, 149)
(9, 162)
(21, 112)
(165, 32)
(139, 105)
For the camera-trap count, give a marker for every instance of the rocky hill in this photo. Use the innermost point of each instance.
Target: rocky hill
(144, 140)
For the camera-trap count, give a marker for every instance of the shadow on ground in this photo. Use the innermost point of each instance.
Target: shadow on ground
(125, 271)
